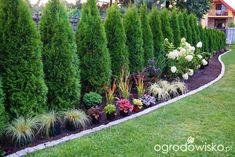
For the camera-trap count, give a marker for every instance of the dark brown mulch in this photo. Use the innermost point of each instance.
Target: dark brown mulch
(201, 77)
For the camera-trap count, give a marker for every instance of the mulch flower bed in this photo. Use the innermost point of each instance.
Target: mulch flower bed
(201, 77)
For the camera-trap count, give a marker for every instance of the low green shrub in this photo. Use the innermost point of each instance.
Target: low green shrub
(92, 99)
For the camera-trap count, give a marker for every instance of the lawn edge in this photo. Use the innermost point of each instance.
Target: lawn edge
(101, 127)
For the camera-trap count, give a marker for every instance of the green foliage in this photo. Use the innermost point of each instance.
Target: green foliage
(147, 35)
(92, 99)
(22, 130)
(76, 117)
(156, 27)
(174, 21)
(193, 24)
(166, 27)
(188, 28)
(197, 7)
(134, 40)
(116, 41)
(231, 24)
(92, 49)
(61, 64)
(47, 122)
(183, 31)
(3, 114)
(20, 60)
(109, 109)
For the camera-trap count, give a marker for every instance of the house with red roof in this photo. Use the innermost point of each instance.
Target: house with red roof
(222, 13)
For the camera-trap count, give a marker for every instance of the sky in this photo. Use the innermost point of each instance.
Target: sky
(231, 3)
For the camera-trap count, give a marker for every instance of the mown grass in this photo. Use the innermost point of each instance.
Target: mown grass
(208, 116)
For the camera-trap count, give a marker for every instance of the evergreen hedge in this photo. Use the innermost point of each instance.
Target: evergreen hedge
(92, 48)
(3, 114)
(147, 35)
(20, 60)
(174, 21)
(183, 31)
(116, 38)
(156, 28)
(134, 40)
(188, 28)
(166, 27)
(193, 24)
(61, 63)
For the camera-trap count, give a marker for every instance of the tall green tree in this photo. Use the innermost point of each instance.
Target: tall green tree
(20, 60)
(183, 32)
(3, 114)
(188, 28)
(134, 41)
(156, 27)
(116, 41)
(147, 35)
(166, 27)
(174, 21)
(193, 25)
(95, 63)
(61, 64)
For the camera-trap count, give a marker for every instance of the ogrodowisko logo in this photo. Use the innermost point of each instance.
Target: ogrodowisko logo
(191, 146)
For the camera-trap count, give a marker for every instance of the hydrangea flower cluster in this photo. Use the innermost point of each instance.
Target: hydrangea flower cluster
(184, 60)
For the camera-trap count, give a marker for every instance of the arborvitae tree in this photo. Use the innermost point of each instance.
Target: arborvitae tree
(203, 38)
(155, 24)
(20, 60)
(3, 114)
(175, 28)
(92, 48)
(166, 27)
(134, 41)
(61, 64)
(116, 41)
(183, 32)
(188, 28)
(210, 41)
(193, 24)
(147, 35)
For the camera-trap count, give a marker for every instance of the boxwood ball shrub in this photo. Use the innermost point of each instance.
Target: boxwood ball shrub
(156, 28)
(20, 60)
(3, 114)
(134, 40)
(61, 64)
(92, 48)
(92, 99)
(166, 27)
(174, 21)
(116, 38)
(147, 35)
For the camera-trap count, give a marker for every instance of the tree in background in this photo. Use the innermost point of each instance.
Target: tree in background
(20, 60)
(174, 21)
(147, 35)
(116, 41)
(92, 48)
(61, 64)
(134, 40)
(183, 32)
(166, 27)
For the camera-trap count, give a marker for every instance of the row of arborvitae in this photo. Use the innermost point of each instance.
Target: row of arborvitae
(48, 70)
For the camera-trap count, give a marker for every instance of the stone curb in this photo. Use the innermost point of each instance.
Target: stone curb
(101, 127)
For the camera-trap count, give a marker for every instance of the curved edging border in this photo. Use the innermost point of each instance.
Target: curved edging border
(101, 127)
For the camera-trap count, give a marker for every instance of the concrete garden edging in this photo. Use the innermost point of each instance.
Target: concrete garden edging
(101, 127)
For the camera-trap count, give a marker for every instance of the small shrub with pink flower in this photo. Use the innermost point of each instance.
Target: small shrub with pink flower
(124, 106)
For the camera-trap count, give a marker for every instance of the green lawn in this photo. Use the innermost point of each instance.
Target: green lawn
(208, 116)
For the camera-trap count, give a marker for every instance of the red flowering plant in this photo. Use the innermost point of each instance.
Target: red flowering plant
(124, 105)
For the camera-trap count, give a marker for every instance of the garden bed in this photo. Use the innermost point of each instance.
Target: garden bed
(201, 77)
